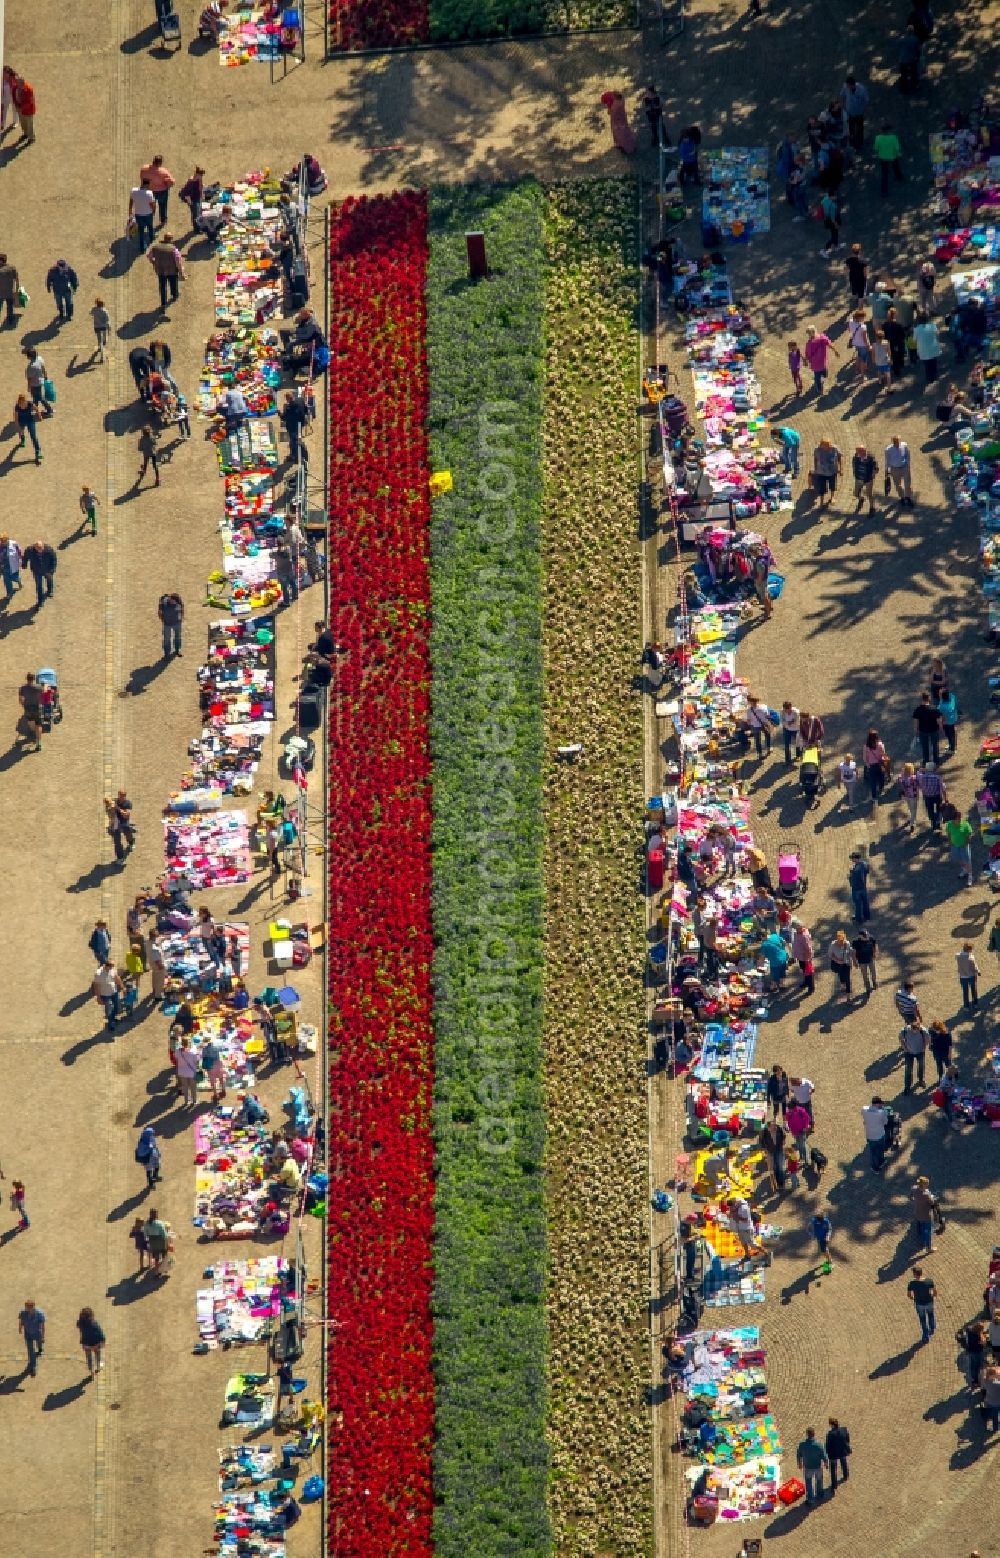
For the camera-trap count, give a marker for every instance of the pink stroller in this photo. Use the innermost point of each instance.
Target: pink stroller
(791, 883)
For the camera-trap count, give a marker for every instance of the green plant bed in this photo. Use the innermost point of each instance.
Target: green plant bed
(594, 1039)
(485, 351)
(456, 19)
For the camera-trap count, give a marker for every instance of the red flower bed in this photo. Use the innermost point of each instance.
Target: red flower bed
(381, 1061)
(377, 24)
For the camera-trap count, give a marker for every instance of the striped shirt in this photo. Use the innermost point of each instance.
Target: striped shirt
(907, 1005)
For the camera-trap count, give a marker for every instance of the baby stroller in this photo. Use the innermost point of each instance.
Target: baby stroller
(893, 1131)
(811, 776)
(50, 708)
(791, 883)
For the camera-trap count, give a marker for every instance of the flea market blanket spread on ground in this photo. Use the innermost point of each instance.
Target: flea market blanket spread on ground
(454, 504)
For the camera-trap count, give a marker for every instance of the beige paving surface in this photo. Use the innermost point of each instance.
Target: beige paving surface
(130, 1468)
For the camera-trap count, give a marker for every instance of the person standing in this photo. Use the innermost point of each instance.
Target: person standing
(160, 181)
(777, 1091)
(857, 878)
(157, 966)
(909, 60)
(802, 1090)
(959, 831)
(26, 424)
(897, 468)
(18, 1203)
(865, 951)
(913, 1041)
(991, 1396)
(92, 1340)
(10, 284)
(838, 1448)
(157, 1239)
(211, 1060)
(895, 334)
(847, 774)
(928, 341)
(62, 281)
(790, 716)
(940, 1040)
(193, 194)
(107, 989)
(874, 1119)
(927, 726)
(294, 415)
(171, 614)
(142, 205)
(857, 273)
(857, 333)
(795, 356)
(168, 264)
(187, 1065)
(31, 1325)
(789, 441)
(286, 573)
(803, 953)
(821, 1229)
(652, 107)
(968, 976)
(100, 942)
(932, 788)
(10, 566)
(29, 696)
(925, 1213)
(148, 438)
(810, 1457)
(864, 468)
(828, 464)
(42, 562)
(817, 352)
(798, 1122)
(854, 98)
(842, 960)
(687, 149)
(830, 207)
(923, 1293)
(147, 1153)
(24, 105)
(887, 154)
(759, 721)
(906, 1002)
(137, 1234)
(102, 327)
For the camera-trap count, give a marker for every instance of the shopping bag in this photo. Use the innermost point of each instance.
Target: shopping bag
(791, 1491)
(48, 391)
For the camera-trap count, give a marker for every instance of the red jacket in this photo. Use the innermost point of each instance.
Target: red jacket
(23, 97)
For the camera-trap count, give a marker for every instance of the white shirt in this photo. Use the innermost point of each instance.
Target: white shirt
(143, 203)
(874, 1120)
(897, 456)
(106, 981)
(803, 1091)
(790, 719)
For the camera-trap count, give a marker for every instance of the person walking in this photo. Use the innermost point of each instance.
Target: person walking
(294, 415)
(107, 988)
(959, 830)
(854, 99)
(31, 1326)
(932, 788)
(137, 1233)
(991, 1396)
(759, 722)
(92, 1341)
(799, 1124)
(193, 194)
(838, 1448)
(974, 1340)
(18, 1204)
(830, 207)
(187, 1065)
(10, 566)
(923, 1293)
(811, 1457)
(795, 356)
(864, 468)
(171, 614)
(925, 1213)
(142, 207)
(802, 1090)
(27, 426)
(913, 1041)
(874, 1119)
(968, 975)
(24, 106)
(857, 273)
(102, 327)
(157, 966)
(927, 727)
(925, 333)
(948, 709)
(168, 264)
(847, 774)
(821, 1229)
(842, 960)
(888, 156)
(828, 465)
(147, 446)
(897, 469)
(906, 1002)
(286, 573)
(89, 504)
(100, 942)
(865, 952)
(811, 732)
(857, 877)
(36, 378)
(147, 1153)
(857, 334)
(804, 955)
(909, 789)
(10, 286)
(882, 360)
(160, 181)
(42, 563)
(817, 354)
(940, 1042)
(29, 696)
(790, 716)
(62, 281)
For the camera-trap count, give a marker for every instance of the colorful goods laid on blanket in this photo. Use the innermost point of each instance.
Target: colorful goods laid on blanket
(726, 1425)
(736, 201)
(965, 163)
(245, 1298)
(262, 31)
(244, 1187)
